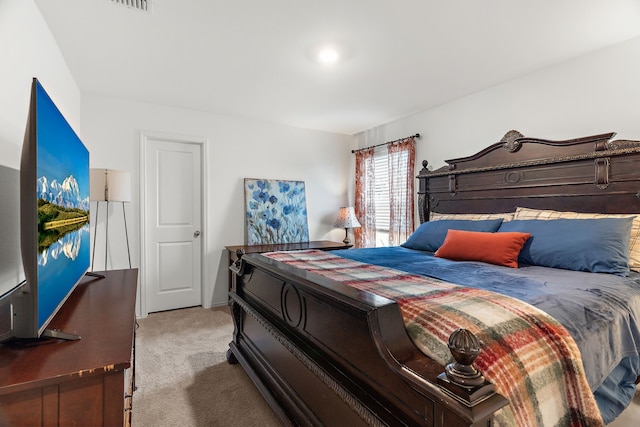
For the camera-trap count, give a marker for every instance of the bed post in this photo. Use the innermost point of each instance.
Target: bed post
(461, 378)
(423, 200)
(235, 310)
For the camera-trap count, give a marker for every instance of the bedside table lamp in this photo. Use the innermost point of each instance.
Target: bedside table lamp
(347, 219)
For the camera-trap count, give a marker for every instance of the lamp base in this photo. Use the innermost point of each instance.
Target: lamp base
(346, 240)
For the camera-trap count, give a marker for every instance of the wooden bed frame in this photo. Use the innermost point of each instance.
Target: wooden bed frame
(323, 353)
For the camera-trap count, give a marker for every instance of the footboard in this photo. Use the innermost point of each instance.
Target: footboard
(322, 353)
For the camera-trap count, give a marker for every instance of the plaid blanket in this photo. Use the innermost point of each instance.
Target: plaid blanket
(529, 357)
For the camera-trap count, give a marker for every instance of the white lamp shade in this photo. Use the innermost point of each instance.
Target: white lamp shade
(110, 185)
(347, 218)
(98, 183)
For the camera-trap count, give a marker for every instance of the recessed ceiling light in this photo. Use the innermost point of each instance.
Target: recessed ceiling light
(328, 54)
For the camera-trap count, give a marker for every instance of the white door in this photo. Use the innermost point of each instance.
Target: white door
(172, 223)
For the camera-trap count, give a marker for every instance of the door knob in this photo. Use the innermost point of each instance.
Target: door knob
(196, 233)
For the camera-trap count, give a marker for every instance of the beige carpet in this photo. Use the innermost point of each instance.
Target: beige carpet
(183, 378)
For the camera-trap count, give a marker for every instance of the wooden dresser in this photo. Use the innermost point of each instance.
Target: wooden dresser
(88, 382)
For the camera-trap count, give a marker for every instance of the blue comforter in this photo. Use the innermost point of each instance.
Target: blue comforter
(600, 311)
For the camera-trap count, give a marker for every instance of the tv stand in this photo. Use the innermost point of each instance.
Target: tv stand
(86, 382)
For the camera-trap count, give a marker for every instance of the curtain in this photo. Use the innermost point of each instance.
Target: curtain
(365, 236)
(401, 185)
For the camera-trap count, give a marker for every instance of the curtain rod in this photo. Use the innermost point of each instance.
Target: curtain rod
(417, 135)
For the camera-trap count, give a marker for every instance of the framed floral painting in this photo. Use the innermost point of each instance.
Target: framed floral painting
(275, 211)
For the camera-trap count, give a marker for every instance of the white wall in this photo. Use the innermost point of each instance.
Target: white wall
(592, 94)
(27, 50)
(237, 149)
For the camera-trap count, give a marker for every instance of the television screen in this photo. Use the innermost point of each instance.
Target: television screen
(63, 207)
(54, 211)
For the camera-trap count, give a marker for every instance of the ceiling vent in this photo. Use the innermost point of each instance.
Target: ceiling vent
(142, 5)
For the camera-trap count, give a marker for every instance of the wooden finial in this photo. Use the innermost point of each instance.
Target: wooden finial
(461, 379)
(465, 347)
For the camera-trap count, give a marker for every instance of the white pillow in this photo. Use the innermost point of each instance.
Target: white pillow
(508, 216)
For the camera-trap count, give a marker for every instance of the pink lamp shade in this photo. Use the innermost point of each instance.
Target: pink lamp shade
(347, 219)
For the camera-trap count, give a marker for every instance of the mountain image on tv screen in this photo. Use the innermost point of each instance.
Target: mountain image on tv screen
(63, 206)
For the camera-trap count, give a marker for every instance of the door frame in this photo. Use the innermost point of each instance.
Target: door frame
(145, 137)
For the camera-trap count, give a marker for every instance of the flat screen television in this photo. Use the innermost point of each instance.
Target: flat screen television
(54, 224)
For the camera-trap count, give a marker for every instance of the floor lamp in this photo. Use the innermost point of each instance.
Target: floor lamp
(109, 185)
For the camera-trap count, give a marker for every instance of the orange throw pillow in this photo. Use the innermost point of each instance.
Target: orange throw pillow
(493, 248)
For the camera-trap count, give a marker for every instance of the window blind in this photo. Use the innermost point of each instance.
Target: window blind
(381, 160)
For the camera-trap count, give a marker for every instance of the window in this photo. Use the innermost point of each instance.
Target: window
(384, 161)
(384, 193)
(381, 160)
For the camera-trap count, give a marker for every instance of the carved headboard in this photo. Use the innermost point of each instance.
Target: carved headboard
(589, 174)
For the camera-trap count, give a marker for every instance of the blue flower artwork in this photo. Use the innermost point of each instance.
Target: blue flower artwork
(276, 211)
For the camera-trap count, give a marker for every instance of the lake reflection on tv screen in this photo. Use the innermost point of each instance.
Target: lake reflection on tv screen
(60, 266)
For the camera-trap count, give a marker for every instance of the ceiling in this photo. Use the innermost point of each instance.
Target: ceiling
(251, 58)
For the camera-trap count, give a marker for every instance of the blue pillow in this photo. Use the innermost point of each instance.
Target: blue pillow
(595, 245)
(430, 235)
